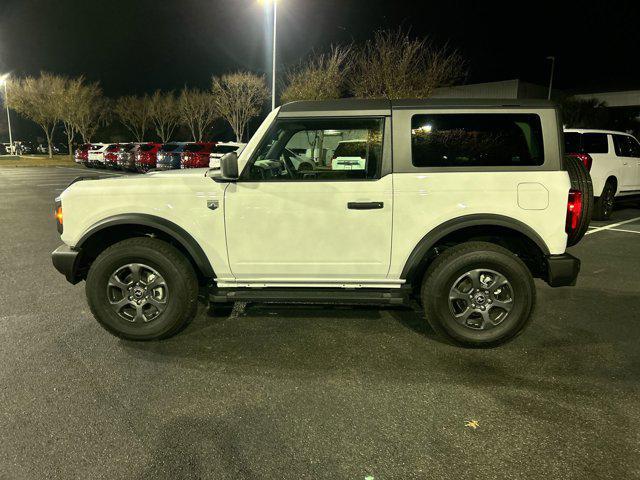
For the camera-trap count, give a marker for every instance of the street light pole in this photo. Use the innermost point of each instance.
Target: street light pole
(273, 69)
(6, 104)
(553, 63)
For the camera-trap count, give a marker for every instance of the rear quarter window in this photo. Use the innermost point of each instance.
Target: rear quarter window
(351, 149)
(572, 142)
(594, 143)
(476, 140)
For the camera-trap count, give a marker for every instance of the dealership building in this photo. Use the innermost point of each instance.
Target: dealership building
(517, 88)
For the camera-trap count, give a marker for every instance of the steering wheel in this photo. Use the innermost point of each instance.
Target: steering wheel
(288, 165)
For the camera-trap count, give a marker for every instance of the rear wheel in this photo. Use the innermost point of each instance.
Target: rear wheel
(142, 289)
(603, 206)
(478, 295)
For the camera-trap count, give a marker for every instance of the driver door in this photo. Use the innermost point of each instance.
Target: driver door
(291, 218)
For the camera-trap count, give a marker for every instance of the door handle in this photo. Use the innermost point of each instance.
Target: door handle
(365, 205)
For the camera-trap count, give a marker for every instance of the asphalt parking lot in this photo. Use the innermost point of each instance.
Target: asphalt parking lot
(311, 392)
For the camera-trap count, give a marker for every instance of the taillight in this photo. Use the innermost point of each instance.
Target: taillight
(574, 210)
(57, 213)
(585, 158)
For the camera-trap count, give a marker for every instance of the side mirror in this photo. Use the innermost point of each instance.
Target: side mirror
(229, 167)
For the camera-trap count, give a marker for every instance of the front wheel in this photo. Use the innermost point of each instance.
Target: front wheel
(142, 289)
(478, 295)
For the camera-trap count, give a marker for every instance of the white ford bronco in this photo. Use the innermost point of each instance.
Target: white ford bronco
(457, 204)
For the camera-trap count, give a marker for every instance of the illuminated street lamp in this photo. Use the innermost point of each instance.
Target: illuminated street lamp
(266, 3)
(3, 81)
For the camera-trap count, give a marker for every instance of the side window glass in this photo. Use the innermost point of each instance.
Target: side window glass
(595, 143)
(634, 147)
(476, 140)
(319, 150)
(620, 145)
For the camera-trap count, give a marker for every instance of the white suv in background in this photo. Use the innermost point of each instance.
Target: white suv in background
(613, 159)
(95, 155)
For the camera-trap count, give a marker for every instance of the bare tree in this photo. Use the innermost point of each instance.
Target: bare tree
(68, 108)
(82, 109)
(239, 97)
(135, 114)
(393, 65)
(93, 110)
(39, 99)
(164, 114)
(319, 77)
(197, 110)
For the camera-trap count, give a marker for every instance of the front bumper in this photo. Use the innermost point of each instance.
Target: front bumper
(65, 259)
(562, 270)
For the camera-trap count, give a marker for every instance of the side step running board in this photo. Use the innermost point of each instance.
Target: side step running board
(354, 296)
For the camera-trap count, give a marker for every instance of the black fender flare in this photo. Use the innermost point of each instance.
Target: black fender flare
(176, 232)
(435, 235)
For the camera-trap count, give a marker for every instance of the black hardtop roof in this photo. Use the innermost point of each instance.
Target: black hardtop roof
(355, 104)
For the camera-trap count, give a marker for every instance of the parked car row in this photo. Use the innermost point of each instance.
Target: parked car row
(28, 148)
(146, 156)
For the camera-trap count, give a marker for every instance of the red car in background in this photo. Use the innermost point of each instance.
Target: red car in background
(111, 156)
(81, 155)
(146, 156)
(196, 155)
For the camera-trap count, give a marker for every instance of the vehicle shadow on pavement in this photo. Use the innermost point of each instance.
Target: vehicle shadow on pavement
(564, 339)
(565, 370)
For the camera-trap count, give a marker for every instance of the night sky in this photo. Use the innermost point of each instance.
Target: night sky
(137, 46)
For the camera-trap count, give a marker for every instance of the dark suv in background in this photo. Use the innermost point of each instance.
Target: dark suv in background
(168, 157)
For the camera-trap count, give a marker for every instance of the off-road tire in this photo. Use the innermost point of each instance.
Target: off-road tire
(175, 269)
(453, 263)
(581, 181)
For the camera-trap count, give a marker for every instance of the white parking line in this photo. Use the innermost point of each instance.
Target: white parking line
(40, 174)
(623, 230)
(613, 225)
(100, 172)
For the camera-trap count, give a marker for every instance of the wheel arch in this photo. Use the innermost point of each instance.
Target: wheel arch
(508, 232)
(120, 227)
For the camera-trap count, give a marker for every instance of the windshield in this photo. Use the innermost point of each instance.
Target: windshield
(146, 148)
(193, 147)
(224, 149)
(169, 147)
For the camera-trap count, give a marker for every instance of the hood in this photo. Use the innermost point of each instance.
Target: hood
(138, 183)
